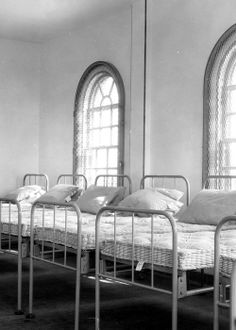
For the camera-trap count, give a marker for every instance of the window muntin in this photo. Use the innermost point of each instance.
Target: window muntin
(98, 133)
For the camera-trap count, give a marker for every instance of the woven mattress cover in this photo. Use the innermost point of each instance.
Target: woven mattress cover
(195, 245)
(195, 242)
(227, 252)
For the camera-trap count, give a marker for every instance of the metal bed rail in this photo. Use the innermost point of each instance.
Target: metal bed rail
(99, 272)
(36, 178)
(79, 180)
(217, 297)
(114, 180)
(167, 181)
(43, 254)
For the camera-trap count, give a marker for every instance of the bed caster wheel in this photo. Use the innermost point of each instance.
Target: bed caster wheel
(19, 312)
(30, 316)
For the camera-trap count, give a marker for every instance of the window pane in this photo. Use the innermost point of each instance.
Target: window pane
(106, 85)
(115, 116)
(96, 119)
(105, 136)
(106, 117)
(229, 154)
(115, 136)
(97, 98)
(112, 157)
(114, 94)
(102, 158)
(94, 138)
(106, 102)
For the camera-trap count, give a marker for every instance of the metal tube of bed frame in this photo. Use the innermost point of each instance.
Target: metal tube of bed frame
(19, 298)
(174, 261)
(117, 176)
(168, 176)
(233, 299)
(19, 246)
(36, 175)
(78, 257)
(217, 269)
(74, 177)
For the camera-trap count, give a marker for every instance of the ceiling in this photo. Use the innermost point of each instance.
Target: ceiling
(37, 20)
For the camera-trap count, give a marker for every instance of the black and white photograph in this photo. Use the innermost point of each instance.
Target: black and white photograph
(118, 164)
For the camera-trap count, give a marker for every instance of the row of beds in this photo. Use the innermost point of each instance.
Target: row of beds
(111, 244)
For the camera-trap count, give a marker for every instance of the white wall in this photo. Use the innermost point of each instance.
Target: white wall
(182, 35)
(19, 111)
(63, 61)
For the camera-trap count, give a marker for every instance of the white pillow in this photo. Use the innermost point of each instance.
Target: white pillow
(151, 200)
(96, 197)
(209, 206)
(60, 193)
(26, 193)
(172, 193)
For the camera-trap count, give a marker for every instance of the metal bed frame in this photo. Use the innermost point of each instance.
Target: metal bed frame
(43, 254)
(76, 179)
(179, 277)
(166, 180)
(114, 180)
(221, 283)
(53, 248)
(6, 240)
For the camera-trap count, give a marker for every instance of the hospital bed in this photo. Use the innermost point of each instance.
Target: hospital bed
(15, 221)
(155, 243)
(65, 229)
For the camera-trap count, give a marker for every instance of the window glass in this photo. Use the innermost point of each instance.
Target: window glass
(219, 138)
(98, 122)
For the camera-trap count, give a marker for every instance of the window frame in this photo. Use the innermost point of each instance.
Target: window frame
(215, 67)
(103, 69)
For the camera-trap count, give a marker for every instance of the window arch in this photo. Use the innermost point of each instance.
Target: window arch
(99, 122)
(219, 121)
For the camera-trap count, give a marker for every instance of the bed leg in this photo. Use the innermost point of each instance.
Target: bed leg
(97, 308)
(19, 280)
(30, 315)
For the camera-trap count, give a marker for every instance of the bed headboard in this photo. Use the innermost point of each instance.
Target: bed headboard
(77, 179)
(227, 182)
(40, 179)
(170, 181)
(114, 180)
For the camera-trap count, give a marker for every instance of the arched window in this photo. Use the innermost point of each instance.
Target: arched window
(99, 122)
(219, 139)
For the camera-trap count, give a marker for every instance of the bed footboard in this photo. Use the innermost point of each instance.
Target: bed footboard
(51, 248)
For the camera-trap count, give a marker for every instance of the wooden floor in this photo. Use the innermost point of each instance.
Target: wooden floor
(122, 306)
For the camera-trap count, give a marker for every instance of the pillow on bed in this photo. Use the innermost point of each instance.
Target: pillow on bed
(96, 197)
(172, 193)
(151, 199)
(26, 193)
(209, 206)
(60, 193)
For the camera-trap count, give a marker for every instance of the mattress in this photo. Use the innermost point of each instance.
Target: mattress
(142, 225)
(227, 252)
(9, 219)
(195, 246)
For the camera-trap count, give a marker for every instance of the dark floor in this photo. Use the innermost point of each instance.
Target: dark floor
(122, 306)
